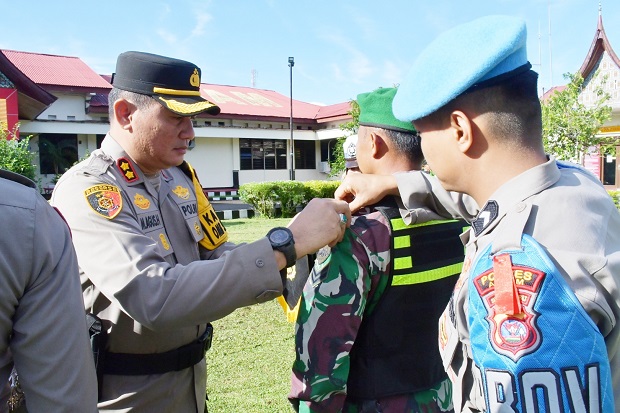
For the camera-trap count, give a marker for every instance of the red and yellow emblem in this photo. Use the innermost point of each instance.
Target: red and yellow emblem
(181, 191)
(141, 202)
(104, 199)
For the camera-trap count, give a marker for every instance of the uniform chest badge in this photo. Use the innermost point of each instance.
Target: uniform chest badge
(129, 173)
(181, 192)
(141, 201)
(104, 199)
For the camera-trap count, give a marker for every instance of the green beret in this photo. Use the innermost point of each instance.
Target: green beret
(376, 110)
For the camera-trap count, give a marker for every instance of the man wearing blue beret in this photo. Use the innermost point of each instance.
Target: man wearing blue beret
(533, 321)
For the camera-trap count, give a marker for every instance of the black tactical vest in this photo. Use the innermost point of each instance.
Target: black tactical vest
(396, 350)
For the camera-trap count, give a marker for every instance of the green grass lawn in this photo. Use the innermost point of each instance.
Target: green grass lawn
(250, 361)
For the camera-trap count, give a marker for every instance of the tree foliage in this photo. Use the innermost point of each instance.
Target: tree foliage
(337, 163)
(15, 154)
(569, 127)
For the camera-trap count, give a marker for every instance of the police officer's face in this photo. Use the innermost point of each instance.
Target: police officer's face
(439, 152)
(161, 137)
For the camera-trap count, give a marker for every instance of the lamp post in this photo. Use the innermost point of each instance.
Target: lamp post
(291, 63)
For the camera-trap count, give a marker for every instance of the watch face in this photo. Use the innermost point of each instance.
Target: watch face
(279, 237)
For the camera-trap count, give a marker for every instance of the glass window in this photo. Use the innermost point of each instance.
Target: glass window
(262, 154)
(57, 152)
(305, 155)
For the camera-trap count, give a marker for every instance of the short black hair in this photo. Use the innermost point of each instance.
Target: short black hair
(406, 144)
(137, 99)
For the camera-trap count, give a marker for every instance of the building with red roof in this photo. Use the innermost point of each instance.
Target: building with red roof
(248, 141)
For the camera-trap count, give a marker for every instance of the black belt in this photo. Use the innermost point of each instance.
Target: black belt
(127, 364)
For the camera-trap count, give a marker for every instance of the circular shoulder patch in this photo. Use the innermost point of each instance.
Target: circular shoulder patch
(104, 199)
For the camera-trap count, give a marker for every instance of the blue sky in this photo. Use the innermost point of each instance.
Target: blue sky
(341, 47)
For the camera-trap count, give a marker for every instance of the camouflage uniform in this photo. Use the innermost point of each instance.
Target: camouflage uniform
(345, 285)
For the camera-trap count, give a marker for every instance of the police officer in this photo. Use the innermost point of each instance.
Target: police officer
(533, 322)
(366, 334)
(42, 323)
(155, 264)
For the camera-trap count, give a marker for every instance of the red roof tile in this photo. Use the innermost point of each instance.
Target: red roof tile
(237, 100)
(334, 111)
(52, 70)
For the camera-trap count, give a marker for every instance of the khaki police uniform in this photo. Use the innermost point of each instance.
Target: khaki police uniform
(569, 213)
(145, 275)
(42, 323)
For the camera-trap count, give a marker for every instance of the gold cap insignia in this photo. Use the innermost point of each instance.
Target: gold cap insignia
(194, 79)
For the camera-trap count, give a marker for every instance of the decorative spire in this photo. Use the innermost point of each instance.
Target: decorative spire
(600, 8)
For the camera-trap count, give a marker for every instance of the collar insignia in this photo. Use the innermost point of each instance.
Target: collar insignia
(485, 217)
(127, 170)
(181, 192)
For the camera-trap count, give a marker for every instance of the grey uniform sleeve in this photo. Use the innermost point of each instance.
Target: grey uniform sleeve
(129, 269)
(420, 191)
(50, 341)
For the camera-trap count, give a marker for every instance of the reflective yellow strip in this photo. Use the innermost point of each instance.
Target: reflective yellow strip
(176, 92)
(402, 262)
(404, 241)
(427, 276)
(398, 223)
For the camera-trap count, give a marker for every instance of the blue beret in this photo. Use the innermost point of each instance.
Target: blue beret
(465, 57)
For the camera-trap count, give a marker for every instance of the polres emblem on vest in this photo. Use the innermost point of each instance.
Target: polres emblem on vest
(513, 335)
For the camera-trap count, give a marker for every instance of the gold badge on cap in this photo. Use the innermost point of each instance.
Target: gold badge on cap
(105, 200)
(194, 79)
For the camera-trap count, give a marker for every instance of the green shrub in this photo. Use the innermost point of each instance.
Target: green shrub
(15, 156)
(289, 196)
(321, 189)
(262, 196)
(615, 195)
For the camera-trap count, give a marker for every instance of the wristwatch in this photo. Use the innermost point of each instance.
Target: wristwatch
(281, 239)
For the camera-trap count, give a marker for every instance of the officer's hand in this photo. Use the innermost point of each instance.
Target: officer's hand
(360, 190)
(319, 224)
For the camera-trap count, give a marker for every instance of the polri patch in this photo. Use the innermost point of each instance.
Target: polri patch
(129, 173)
(104, 199)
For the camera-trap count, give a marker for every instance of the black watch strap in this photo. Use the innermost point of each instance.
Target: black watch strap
(281, 239)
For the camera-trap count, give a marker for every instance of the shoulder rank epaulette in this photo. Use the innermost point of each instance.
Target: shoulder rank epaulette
(127, 170)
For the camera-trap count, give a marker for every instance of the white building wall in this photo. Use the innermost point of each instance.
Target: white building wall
(69, 106)
(213, 160)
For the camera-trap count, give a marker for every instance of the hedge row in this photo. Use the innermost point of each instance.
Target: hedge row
(286, 196)
(616, 197)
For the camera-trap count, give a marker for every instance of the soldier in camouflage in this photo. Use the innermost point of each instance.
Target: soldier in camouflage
(366, 333)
